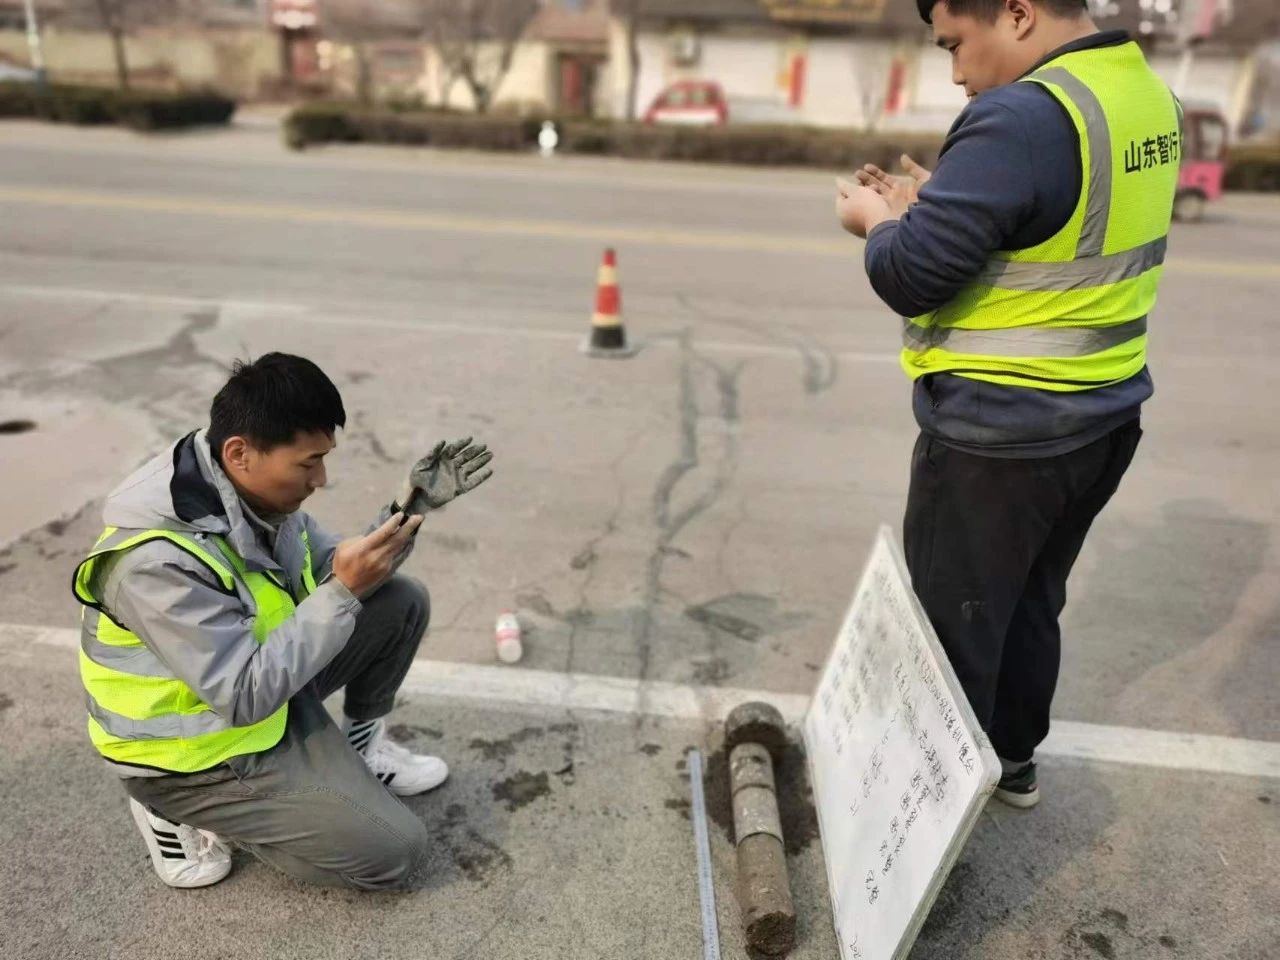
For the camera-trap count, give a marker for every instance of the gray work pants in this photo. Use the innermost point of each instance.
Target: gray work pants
(309, 806)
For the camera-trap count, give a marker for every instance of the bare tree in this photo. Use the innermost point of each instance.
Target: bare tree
(871, 78)
(630, 10)
(476, 40)
(444, 84)
(119, 18)
(356, 23)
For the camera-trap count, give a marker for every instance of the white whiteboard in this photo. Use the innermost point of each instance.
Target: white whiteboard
(899, 766)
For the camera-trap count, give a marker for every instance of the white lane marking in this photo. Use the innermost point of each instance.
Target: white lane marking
(517, 688)
(81, 293)
(305, 314)
(1163, 748)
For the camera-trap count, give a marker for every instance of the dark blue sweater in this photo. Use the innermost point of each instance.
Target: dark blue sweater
(1008, 178)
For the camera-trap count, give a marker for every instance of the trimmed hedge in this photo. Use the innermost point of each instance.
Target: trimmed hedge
(758, 145)
(319, 123)
(763, 145)
(139, 110)
(344, 123)
(168, 112)
(1254, 166)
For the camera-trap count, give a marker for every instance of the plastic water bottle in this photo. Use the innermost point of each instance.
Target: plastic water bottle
(507, 635)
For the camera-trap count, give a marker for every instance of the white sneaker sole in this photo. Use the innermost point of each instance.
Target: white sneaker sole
(158, 862)
(408, 790)
(1022, 801)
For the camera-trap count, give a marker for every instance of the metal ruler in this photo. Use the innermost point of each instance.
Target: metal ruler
(706, 885)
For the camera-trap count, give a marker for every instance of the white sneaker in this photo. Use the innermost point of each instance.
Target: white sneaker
(404, 773)
(183, 856)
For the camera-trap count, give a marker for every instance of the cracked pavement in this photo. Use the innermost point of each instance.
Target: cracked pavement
(698, 514)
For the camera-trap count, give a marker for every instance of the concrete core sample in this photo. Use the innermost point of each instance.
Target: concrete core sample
(764, 891)
(756, 722)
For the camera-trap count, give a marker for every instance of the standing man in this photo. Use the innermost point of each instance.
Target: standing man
(1027, 265)
(218, 616)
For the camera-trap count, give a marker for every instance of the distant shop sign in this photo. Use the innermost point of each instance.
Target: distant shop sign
(825, 11)
(294, 14)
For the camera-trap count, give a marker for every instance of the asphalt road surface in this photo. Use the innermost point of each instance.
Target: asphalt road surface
(695, 516)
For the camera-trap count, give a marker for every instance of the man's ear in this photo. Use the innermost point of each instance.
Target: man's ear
(235, 453)
(1022, 16)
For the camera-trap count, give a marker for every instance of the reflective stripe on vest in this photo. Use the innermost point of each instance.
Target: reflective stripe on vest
(139, 712)
(1071, 313)
(1025, 341)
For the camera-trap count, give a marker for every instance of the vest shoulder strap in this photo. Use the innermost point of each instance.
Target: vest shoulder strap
(112, 541)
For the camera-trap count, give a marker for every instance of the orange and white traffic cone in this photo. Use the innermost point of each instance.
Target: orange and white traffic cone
(608, 335)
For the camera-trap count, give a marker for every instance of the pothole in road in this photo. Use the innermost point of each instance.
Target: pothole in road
(16, 426)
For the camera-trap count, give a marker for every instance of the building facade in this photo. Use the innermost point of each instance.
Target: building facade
(872, 63)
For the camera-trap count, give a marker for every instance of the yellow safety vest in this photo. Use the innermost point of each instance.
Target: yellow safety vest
(1071, 313)
(139, 712)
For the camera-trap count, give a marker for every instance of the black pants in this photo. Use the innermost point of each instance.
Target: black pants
(989, 543)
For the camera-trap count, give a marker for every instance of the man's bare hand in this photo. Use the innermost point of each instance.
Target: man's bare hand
(887, 184)
(363, 563)
(860, 209)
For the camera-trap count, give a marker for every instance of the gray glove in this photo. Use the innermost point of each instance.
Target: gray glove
(448, 471)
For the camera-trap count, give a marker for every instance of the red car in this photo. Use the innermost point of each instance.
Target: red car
(699, 103)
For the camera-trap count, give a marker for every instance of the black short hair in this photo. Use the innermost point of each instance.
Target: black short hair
(988, 10)
(271, 400)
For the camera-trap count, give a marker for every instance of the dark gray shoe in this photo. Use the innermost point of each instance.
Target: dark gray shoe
(1018, 789)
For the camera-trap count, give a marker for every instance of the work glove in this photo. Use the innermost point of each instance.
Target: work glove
(447, 472)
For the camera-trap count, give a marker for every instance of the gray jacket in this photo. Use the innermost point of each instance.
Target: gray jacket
(177, 607)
